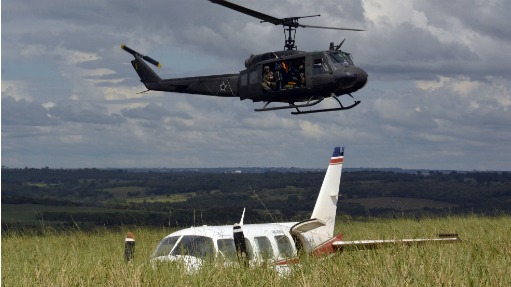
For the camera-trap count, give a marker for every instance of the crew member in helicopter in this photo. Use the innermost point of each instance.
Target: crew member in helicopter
(268, 80)
(278, 75)
(301, 69)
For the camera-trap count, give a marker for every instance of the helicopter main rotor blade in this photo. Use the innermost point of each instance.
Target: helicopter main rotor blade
(331, 28)
(292, 21)
(250, 12)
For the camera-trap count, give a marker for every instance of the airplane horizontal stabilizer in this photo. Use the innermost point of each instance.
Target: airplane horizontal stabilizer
(374, 244)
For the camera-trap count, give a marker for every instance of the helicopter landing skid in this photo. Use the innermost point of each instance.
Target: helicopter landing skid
(298, 112)
(308, 104)
(290, 106)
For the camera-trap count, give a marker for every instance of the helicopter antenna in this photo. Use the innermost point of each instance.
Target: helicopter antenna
(290, 24)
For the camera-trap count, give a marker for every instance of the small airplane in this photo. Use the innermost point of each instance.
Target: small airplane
(279, 244)
(300, 79)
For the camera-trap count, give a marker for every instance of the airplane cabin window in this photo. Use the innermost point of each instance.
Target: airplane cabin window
(284, 246)
(198, 246)
(227, 248)
(265, 248)
(250, 252)
(165, 246)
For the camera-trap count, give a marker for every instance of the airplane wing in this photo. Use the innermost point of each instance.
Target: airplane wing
(355, 245)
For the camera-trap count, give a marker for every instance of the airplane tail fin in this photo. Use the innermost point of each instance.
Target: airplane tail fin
(326, 204)
(146, 74)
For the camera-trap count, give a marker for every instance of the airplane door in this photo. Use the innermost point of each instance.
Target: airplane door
(298, 231)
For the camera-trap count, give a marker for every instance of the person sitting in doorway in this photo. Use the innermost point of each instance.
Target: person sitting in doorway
(268, 79)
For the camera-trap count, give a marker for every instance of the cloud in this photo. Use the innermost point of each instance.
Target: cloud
(24, 113)
(438, 94)
(78, 112)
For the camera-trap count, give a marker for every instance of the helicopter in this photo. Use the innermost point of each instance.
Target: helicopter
(286, 79)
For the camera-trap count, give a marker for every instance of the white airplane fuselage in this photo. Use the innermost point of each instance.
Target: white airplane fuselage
(267, 241)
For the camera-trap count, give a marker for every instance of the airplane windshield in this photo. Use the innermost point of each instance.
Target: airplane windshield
(165, 246)
(227, 248)
(197, 246)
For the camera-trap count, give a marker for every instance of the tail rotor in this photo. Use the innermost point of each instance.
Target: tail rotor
(137, 54)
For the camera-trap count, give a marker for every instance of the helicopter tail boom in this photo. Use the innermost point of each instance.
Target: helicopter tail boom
(146, 74)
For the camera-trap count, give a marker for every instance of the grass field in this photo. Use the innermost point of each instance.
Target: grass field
(79, 258)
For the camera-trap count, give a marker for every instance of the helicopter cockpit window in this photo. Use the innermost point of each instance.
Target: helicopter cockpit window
(340, 58)
(321, 66)
(197, 246)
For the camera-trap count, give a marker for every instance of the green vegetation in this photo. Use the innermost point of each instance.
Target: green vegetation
(95, 258)
(89, 197)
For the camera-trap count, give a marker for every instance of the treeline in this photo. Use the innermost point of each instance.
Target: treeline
(471, 189)
(217, 198)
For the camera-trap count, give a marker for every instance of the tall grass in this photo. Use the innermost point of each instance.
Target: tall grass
(95, 258)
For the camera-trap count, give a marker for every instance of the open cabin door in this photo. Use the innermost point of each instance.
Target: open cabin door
(297, 232)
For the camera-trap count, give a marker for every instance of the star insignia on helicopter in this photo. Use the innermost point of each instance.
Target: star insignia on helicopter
(223, 86)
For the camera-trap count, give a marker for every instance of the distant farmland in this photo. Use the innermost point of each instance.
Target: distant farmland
(88, 197)
(399, 203)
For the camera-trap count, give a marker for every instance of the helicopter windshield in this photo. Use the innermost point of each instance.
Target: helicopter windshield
(340, 58)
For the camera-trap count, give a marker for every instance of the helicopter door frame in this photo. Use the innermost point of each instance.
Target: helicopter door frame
(290, 72)
(249, 86)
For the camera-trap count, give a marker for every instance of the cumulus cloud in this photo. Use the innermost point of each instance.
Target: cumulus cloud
(24, 113)
(438, 86)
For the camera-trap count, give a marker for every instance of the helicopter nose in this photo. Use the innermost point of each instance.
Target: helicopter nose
(361, 78)
(352, 79)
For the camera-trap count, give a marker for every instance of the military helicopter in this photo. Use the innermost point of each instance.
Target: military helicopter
(299, 79)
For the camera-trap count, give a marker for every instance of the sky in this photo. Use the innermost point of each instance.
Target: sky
(438, 96)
